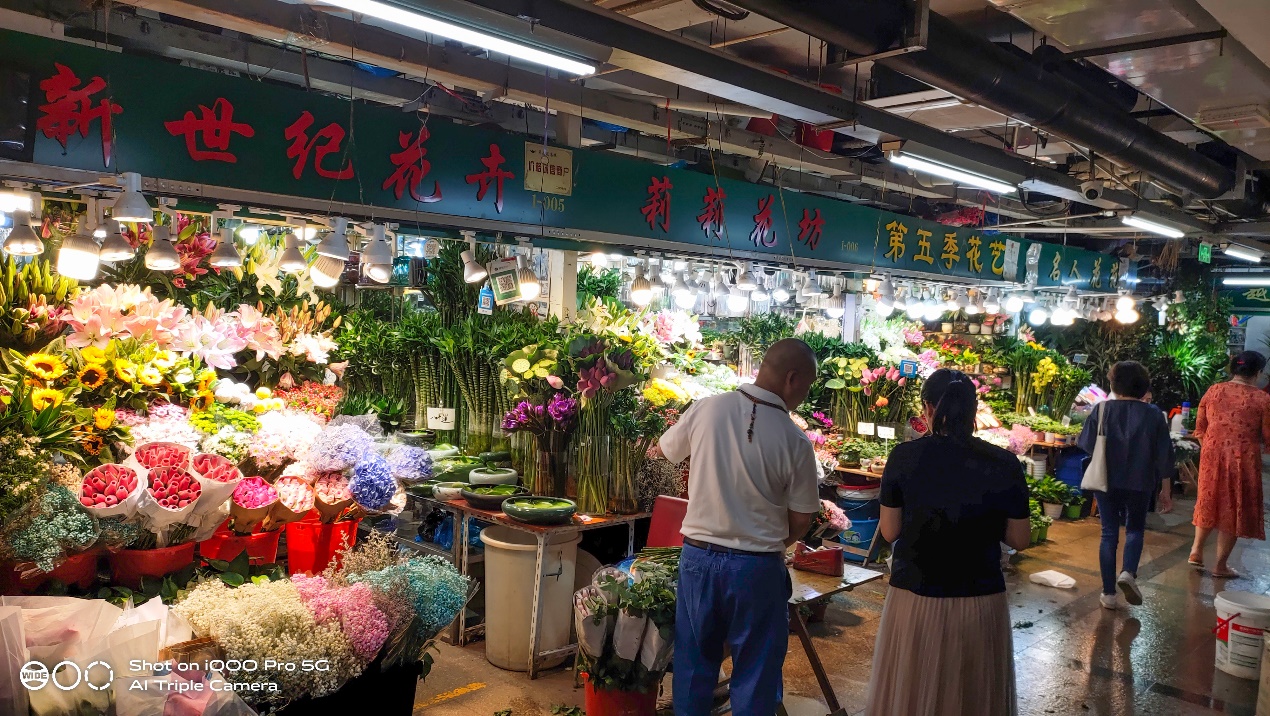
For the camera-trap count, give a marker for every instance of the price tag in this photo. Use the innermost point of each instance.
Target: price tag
(1031, 411)
(1067, 420)
(865, 429)
(440, 418)
(886, 433)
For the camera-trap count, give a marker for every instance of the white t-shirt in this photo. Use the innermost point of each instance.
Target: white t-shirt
(739, 492)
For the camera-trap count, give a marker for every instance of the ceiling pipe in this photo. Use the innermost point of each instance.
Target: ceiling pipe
(978, 71)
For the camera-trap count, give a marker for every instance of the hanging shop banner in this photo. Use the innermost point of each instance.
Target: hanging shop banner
(1248, 300)
(1086, 270)
(110, 112)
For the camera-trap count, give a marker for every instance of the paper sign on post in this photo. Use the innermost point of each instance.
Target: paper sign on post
(886, 432)
(440, 418)
(864, 428)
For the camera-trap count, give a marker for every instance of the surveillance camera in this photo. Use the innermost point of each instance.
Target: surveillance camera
(1092, 190)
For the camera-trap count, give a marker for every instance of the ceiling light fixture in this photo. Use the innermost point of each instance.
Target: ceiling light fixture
(291, 261)
(813, 287)
(79, 255)
(530, 287)
(1243, 253)
(14, 200)
(22, 239)
(377, 257)
(992, 303)
(886, 295)
(1125, 302)
(465, 35)
(946, 171)
(116, 248)
(737, 300)
(1037, 316)
(131, 205)
(249, 233)
(835, 306)
(745, 280)
(1014, 303)
(162, 256)
(225, 255)
(1153, 227)
(335, 244)
(1250, 280)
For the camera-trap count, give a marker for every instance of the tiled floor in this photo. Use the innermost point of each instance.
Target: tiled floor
(1074, 658)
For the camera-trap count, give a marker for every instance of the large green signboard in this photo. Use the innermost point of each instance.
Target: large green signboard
(109, 112)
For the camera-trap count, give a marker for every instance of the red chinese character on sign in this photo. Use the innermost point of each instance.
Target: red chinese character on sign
(332, 136)
(70, 110)
(763, 224)
(493, 172)
(810, 228)
(711, 216)
(216, 125)
(412, 167)
(658, 204)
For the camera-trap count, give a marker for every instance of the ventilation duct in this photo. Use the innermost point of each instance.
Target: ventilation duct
(978, 71)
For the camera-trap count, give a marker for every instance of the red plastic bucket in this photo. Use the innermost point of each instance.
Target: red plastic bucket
(261, 547)
(313, 545)
(128, 566)
(78, 569)
(601, 702)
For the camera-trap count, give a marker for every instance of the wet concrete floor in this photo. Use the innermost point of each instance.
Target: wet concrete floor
(1071, 656)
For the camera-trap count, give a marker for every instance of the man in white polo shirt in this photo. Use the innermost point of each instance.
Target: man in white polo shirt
(751, 493)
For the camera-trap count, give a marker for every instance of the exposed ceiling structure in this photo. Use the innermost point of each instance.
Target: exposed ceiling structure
(1094, 110)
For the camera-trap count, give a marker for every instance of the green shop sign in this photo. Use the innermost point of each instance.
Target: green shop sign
(1249, 300)
(108, 112)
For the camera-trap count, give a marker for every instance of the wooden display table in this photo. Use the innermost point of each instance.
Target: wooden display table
(463, 559)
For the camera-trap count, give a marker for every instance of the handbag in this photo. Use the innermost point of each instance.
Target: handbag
(1095, 478)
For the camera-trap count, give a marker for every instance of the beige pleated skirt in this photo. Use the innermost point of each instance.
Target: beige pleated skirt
(943, 657)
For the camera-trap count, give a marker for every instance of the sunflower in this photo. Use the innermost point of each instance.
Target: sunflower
(44, 398)
(93, 354)
(202, 401)
(164, 360)
(92, 376)
(93, 444)
(205, 380)
(150, 376)
(103, 418)
(125, 370)
(45, 366)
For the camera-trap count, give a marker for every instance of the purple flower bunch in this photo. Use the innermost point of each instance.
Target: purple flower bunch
(594, 379)
(557, 414)
(339, 447)
(824, 420)
(373, 485)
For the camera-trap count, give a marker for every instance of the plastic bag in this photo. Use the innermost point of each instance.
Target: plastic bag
(13, 695)
(158, 696)
(1051, 578)
(593, 633)
(656, 651)
(173, 629)
(58, 628)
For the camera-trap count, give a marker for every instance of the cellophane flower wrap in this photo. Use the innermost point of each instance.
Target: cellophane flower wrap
(339, 447)
(410, 464)
(372, 483)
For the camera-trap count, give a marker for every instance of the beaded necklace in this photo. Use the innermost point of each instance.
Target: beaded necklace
(749, 434)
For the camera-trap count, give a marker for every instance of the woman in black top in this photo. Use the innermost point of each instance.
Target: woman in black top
(944, 646)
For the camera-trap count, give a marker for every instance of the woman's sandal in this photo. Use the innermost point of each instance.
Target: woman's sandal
(1228, 574)
(1196, 563)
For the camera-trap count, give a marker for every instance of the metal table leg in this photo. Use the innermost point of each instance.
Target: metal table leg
(630, 539)
(817, 668)
(535, 615)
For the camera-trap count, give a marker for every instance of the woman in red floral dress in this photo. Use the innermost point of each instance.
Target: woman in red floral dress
(1234, 426)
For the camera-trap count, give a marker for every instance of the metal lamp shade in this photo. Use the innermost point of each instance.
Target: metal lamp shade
(131, 205)
(292, 261)
(22, 239)
(78, 258)
(162, 255)
(225, 255)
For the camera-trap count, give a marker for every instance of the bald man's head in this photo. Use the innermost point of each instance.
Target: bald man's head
(788, 369)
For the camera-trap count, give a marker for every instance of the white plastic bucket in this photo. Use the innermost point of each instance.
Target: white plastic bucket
(510, 556)
(1242, 620)
(1263, 694)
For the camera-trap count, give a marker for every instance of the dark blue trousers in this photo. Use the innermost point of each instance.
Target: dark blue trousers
(1116, 508)
(740, 601)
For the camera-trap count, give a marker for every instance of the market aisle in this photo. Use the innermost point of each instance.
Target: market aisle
(1072, 656)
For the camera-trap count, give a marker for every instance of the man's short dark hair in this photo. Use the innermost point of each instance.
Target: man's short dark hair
(1129, 379)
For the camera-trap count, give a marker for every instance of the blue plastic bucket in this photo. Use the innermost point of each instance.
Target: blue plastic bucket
(860, 509)
(859, 535)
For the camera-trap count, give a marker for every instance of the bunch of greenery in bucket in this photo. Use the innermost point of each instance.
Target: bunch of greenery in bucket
(636, 423)
(1039, 521)
(636, 652)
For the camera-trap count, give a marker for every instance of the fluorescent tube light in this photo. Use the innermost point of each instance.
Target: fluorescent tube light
(1235, 251)
(1138, 222)
(1246, 281)
(465, 35)
(960, 176)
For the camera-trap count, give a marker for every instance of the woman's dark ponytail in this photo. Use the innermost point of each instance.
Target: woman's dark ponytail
(953, 396)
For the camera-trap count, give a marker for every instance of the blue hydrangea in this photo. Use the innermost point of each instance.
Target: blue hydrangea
(338, 448)
(373, 485)
(410, 464)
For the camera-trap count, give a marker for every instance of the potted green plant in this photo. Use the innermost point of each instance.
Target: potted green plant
(850, 453)
(1036, 518)
(1052, 493)
(1073, 507)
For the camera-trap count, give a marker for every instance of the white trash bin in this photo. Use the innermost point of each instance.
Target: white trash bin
(510, 556)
